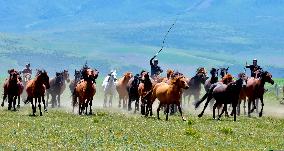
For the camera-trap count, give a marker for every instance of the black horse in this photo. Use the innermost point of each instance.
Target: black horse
(133, 92)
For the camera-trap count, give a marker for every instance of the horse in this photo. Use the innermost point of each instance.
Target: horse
(226, 80)
(223, 72)
(133, 93)
(36, 90)
(75, 81)
(85, 91)
(26, 77)
(13, 88)
(109, 88)
(57, 87)
(144, 90)
(121, 88)
(255, 90)
(169, 94)
(194, 84)
(227, 94)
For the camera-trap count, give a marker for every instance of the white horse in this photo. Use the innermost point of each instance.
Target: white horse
(109, 86)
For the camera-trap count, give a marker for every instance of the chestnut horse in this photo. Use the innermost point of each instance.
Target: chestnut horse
(169, 94)
(255, 90)
(13, 88)
(57, 87)
(121, 88)
(36, 90)
(85, 91)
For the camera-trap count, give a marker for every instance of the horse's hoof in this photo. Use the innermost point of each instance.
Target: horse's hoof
(18, 106)
(199, 115)
(45, 110)
(40, 114)
(90, 113)
(159, 118)
(184, 119)
(2, 104)
(260, 114)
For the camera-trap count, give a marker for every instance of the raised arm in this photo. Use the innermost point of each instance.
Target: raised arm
(151, 61)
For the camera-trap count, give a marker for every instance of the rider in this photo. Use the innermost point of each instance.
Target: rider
(155, 69)
(27, 69)
(253, 68)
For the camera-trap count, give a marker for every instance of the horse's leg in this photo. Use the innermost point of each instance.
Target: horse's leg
(188, 100)
(256, 104)
(249, 106)
(167, 111)
(205, 106)
(223, 110)
(39, 106)
(91, 103)
(19, 101)
(119, 102)
(180, 111)
(58, 100)
(33, 105)
(47, 98)
(53, 100)
(142, 106)
(9, 102)
(43, 102)
(129, 103)
(244, 106)
(137, 103)
(239, 107)
(158, 111)
(214, 108)
(105, 100)
(14, 102)
(262, 104)
(86, 106)
(125, 103)
(234, 111)
(4, 98)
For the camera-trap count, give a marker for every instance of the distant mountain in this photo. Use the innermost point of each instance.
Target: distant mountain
(124, 34)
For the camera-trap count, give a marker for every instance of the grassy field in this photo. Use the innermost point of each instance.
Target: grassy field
(114, 129)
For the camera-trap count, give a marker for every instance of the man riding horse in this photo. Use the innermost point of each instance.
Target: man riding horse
(27, 69)
(155, 69)
(254, 68)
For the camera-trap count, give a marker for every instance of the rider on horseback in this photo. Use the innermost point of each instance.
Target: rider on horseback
(254, 68)
(27, 69)
(155, 69)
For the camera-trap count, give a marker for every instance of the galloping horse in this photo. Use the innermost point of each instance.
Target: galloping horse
(144, 91)
(169, 94)
(226, 94)
(228, 78)
(133, 93)
(223, 72)
(109, 87)
(121, 88)
(74, 82)
(57, 87)
(36, 90)
(194, 84)
(85, 91)
(13, 88)
(255, 90)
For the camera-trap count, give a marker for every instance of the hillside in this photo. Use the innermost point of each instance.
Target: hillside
(125, 34)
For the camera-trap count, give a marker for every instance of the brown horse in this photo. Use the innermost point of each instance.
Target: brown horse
(57, 86)
(85, 91)
(169, 94)
(13, 88)
(36, 90)
(228, 78)
(255, 90)
(121, 88)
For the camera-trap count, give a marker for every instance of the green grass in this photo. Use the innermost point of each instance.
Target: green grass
(59, 130)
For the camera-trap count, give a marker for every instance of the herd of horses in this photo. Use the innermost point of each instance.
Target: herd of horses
(144, 90)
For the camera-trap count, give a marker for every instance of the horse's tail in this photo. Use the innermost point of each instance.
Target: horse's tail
(208, 93)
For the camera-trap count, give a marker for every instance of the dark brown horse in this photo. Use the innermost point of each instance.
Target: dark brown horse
(36, 90)
(194, 84)
(133, 93)
(13, 88)
(57, 87)
(144, 89)
(255, 90)
(85, 91)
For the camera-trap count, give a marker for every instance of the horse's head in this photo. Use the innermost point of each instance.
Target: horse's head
(128, 75)
(59, 79)
(77, 74)
(228, 78)
(112, 76)
(66, 75)
(202, 77)
(180, 81)
(224, 71)
(242, 80)
(267, 77)
(170, 73)
(43, 77)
